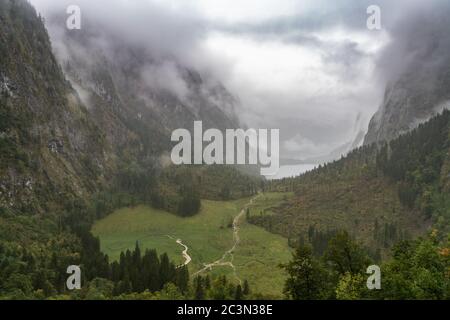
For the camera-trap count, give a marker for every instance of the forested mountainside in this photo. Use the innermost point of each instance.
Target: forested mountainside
(380, 195)
(66, 160)
(374, 206)
(50, 148)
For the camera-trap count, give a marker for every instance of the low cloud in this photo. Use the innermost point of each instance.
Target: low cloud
(310, 68)
(166, 76)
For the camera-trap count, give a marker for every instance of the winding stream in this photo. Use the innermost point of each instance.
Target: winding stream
(221, 262)
(186, 256)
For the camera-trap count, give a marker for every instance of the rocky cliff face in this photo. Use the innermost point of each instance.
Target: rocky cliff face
(49, 147)
(413, 99)
(419, 83)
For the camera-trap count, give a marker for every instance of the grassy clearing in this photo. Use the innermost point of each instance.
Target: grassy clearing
(208, 235)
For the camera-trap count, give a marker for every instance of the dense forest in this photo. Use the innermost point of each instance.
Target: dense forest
(417, 269)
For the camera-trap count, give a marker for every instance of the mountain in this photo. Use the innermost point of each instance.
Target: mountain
(50, 148)
(138, 99)
(379, 194)
(420, 92)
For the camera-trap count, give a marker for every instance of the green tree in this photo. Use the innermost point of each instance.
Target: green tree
(199, 293)
(307, 278)
(345, 255)
(220, 289)
(238, 295)
(246, 289)
(418, 270)
(350, 287)
(164, 270)
(182, 279)
(170, 292)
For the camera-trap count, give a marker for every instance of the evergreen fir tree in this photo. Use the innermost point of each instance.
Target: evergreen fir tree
(238, 293)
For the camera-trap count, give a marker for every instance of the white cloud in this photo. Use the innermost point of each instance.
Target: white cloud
(299, 145)
(305, 67)
(247, 11)
(165, 76)
(277, 80)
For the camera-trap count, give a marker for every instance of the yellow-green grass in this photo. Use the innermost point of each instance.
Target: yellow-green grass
(208, 235)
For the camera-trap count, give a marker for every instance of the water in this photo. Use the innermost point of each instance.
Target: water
(292, 171)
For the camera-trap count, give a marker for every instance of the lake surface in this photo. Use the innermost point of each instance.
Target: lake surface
(292, 171)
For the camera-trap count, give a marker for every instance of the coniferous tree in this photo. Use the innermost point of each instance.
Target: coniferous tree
(246, 289)
(345, 255)
(238, 295)
(182, 278)
(307, 278)
(207, 282)
(199, 293)
(164, 270)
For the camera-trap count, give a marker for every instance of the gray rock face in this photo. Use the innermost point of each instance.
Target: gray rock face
(417, 67)
(416, 97)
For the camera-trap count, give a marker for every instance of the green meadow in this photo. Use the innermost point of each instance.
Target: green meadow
(208, 236)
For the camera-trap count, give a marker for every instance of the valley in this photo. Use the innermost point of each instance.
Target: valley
(86, 177)
(219, 240)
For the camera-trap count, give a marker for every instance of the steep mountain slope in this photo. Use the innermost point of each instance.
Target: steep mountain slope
(51, 154)
(417, 96)
(127, 89)
(50, 148)
(416, 66)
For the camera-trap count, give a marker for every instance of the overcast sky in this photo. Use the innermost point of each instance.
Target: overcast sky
(308, 67)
